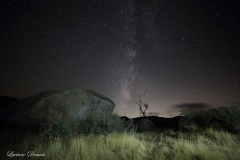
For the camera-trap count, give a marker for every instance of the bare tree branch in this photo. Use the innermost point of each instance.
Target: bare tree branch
(139, 103)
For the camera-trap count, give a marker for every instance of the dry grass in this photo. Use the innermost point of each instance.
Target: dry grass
(207, 144)
(160, 144)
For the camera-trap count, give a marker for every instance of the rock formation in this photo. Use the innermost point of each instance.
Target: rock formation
(144, 124)
(126, 124)
(36, 110)
(124, 118)
(162, 122)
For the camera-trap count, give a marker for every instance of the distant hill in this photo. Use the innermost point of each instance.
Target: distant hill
(5, 101)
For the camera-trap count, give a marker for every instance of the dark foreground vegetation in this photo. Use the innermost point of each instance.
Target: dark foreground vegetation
(207, 134)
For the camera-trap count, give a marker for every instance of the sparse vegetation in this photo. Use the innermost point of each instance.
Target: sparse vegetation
(60, 126)
(92, 124)
(104, 141)
(227, 118)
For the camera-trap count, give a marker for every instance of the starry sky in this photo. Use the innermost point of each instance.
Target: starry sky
(163, 52)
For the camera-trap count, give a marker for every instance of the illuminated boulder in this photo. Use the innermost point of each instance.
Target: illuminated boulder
(38, 109)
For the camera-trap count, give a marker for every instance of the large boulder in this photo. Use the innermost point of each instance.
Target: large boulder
(144, 124)
(36, 110)
(162, 122)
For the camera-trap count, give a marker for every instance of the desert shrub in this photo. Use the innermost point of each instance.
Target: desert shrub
(112, 122)
(229, 117)
(60, 126)
(116, 124)
(204, 118)
(102, 124)
(188, 120)
(127, 126)
(92, 124)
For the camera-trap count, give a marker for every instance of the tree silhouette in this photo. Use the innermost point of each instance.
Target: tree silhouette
(142, 112)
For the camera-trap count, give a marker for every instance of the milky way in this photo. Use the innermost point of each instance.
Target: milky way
(165, 53)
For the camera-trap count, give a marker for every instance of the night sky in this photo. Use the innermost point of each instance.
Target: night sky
(163, 52)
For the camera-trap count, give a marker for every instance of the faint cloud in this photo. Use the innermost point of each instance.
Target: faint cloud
(193, 106)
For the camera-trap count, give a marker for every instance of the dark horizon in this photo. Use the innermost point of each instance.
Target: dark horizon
(160, 52)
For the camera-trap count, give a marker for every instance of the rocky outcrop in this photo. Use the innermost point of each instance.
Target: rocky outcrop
(36, 110)
(126, 125)
(124, 118)
(162, 122)
(144, 124)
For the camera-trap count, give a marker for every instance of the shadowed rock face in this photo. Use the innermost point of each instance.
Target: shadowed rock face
(126, 124)
(144, 124)
(5, 101)
(124, 118)
(151, 122)
(35, 110)
(162, 122)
